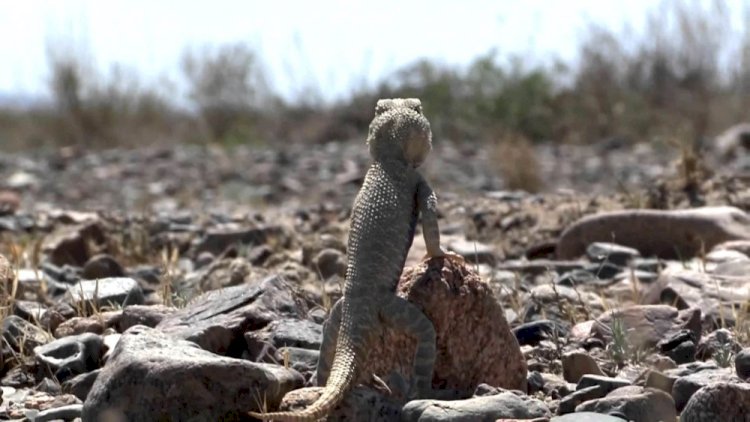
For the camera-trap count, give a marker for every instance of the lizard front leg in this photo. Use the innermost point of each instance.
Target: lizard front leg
(427, 202)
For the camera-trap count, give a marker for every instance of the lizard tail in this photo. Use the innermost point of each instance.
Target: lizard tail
(343, 377)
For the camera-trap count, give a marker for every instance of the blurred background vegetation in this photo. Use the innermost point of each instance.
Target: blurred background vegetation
(687, 75)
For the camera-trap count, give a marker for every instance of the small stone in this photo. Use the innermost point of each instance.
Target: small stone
(80, 385)
(285, 333)
(71, 356)
(656, 379)
(474, 252)
(611, 252)
(742, 363)
(607, 384)
(569, 403)
(120, 291)
(635, 403)
(330, 262)
(485, 408)
(149, 316)
(577, 364)
(22, 335)
(68, 413)
(102, 266)
(586, 417)
(72, 244)
(531, 333)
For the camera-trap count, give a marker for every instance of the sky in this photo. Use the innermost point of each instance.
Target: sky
(331, 45)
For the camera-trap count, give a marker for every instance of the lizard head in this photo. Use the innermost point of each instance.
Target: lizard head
(400, 132)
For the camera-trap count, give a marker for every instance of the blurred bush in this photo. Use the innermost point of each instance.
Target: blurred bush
(687, 74)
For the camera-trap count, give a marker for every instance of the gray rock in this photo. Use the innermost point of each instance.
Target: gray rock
(656, 379)
(148, 315)
(216, 319)
(742, 363)
(480, 409)
(119, 291)
(102, 266)
(68, 413)
(607, 384)
(723, 401)
(152, 376)
(304, 361)
(635, 403)
(72, 355)
(540, 266)
(80, 385)
(330, 262)
(647, 325)
(286, 332)
(22, 335)
(569, 403)
(586, 417)
(611, 252)
(217, 240)
(684, 387)
(577, 364)
(29, 310)
(72, 244)
(474, 252)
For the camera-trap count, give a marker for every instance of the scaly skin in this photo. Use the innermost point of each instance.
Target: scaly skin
(383, 222)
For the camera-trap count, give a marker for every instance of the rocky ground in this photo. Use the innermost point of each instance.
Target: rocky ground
(191, 284)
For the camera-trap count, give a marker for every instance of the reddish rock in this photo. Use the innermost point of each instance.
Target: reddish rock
(474, 342)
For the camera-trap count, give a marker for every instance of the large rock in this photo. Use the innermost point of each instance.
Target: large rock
(646, 325)
(474, 342)
(672, 234)
(217, 320)
(722, 401)
(152, 376)
(479, 409)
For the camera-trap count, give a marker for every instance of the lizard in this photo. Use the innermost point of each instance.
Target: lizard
(383, 222)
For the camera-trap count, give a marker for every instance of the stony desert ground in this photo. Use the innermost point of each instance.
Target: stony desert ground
(190, 283)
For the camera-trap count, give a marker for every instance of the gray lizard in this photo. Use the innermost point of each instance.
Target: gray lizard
(383, 222)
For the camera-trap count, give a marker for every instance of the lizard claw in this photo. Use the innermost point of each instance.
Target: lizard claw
(381, 386)
(454, 257)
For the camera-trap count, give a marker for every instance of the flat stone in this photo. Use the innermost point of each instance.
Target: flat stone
(118, 291)
(151, 375)
(474, 252)
(68, 413)
(219, 319)
(586, 417)
(611, 252)
(148, 315)
(480, 409)
(217, 240)
(20, 334)
(569, 403)
(636, 404)
(606, 384)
